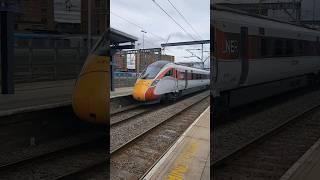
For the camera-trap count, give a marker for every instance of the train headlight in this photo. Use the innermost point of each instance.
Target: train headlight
(154, 83)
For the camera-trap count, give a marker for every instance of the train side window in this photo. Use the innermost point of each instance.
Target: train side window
(295, 47)
(182, 75)
(318, 46)
(301, 49)
(289, 48)
(278, 47)
(263, 47)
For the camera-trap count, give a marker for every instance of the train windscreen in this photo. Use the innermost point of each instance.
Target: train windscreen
(153, 69)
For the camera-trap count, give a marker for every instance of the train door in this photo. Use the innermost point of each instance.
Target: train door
(243, 54)
(176, 79)
(186, 78)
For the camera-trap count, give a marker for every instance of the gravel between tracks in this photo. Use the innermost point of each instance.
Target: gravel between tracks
(134, 160)
(119, 117)
(274, 156)
(32, 151)
(124, 132)
(55, 165)
(232, 135)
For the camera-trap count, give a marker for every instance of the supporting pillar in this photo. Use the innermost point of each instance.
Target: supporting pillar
(7, 48)
(112, 69)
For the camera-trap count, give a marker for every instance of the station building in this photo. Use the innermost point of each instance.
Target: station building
(139, 59)
(60, 16)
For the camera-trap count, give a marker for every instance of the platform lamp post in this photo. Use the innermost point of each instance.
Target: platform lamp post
(141, 52)
(7, 47)
(89, 25)
(313, 14)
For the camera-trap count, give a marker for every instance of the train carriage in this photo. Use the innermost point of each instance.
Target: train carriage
(257, 57)
(167, 80)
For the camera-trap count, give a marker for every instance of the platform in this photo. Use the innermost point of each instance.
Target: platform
(307, 167)
(43, 95)
(189, 157)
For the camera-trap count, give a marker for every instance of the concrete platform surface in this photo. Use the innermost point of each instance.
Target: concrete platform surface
(43, 95)
(307, 167)
(189, 157)
(123, 91)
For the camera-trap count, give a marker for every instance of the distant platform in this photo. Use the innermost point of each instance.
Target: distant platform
(189, 157)
(118, 92)
(307, 167)
(43, 95)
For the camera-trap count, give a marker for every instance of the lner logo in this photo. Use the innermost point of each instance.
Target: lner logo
(231, 46)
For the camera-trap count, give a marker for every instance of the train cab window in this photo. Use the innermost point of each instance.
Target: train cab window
(153, 69)
(169, 73)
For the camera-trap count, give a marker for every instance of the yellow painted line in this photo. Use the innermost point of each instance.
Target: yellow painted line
(183, 161)
(186, 153)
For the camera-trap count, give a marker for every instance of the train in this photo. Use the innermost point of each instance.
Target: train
(255, 57)
(90, 100)
(165, 80)
(160, 80)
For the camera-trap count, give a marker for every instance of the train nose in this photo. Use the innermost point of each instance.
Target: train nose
(91, 91)
(140, 89)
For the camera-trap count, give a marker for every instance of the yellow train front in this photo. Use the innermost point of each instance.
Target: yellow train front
(144, 88)
(90, 99)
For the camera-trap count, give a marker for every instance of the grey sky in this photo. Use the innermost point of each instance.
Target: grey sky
(159, 26)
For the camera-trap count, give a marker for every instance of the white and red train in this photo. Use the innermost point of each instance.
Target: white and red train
(256, 57)
(167, 80)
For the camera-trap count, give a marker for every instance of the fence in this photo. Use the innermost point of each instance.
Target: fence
(124, 79)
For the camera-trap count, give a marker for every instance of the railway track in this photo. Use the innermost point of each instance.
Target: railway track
(94, 171)
(269, 155)
(131, 112)
(124, 109)
(132, 158)
(58, 162)
(86, 158)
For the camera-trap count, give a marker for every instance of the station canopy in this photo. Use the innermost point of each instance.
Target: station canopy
(118, 37)
(253, 1)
